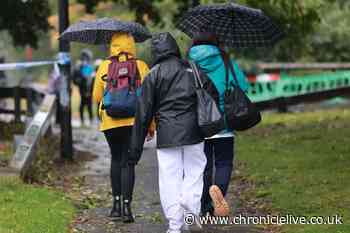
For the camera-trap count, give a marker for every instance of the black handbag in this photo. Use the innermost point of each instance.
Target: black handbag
(210, 119)
(240, 113)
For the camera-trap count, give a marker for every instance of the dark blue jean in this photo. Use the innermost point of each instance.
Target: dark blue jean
(220, 154)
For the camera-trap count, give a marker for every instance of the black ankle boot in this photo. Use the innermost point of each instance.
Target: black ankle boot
(127, 214)
(116, 211)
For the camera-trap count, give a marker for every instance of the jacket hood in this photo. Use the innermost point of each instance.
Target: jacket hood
(163, 46)
(122, 42)
(208, 57)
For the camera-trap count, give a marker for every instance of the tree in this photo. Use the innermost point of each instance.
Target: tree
(24, 20)
(89, 5)
(298, 19)
(184, 5)
(143, 8)
(331, 41)
(308, 36)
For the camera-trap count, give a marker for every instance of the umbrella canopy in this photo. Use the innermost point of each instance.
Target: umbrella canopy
(234, 25)
(100, 31)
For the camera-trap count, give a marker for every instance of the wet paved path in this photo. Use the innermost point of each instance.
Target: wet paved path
(146, 204)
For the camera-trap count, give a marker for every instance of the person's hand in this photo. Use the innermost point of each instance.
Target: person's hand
(133, 159)
(132, 162)
(150, 135)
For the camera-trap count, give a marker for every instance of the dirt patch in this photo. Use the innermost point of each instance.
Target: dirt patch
(246, 202)
(7, 130)
(5, 154)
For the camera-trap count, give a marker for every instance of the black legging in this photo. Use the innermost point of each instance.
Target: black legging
(122, 174)
(86, 101)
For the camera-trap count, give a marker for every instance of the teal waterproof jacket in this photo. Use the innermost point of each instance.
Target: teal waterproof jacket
(208, 58)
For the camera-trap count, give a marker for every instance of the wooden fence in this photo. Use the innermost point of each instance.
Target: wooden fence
(25, 152)
(40, 108)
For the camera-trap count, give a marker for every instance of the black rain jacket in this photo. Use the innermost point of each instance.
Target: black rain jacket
(168, 95)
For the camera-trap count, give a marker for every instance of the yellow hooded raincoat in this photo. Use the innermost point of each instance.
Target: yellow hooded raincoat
(121, 42)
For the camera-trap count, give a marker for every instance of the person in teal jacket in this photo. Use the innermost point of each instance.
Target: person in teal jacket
(219, 149)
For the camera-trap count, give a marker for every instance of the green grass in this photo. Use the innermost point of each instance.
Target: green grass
(29, 209)
(301, 163)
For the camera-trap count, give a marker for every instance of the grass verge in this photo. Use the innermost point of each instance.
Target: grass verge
(34, 208)
(300, 164)
(30, 209)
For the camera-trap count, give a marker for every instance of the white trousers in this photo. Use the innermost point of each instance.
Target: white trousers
(181, 181)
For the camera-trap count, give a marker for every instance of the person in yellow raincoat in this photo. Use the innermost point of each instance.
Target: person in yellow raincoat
(118, 131)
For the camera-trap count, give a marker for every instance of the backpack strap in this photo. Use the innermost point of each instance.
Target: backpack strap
(136, 82)
(116, 57)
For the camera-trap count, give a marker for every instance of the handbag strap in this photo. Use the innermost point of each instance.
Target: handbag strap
(229, 67)
(198, 81)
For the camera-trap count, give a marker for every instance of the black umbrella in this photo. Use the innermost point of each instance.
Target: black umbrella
(100, 31)
(234, 25)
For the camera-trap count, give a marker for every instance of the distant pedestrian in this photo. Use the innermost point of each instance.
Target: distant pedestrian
(83, 77)
(2, 79)
(120, 70)
(53, 87)
(169, 94)
(219, 149)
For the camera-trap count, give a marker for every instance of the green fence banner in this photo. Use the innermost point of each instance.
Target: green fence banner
(294, 85)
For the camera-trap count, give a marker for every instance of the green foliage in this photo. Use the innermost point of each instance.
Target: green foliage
(89, 5)
(315, 30)
(298, 20)
(309, 27)
(143, 8)
(300, 163)
(167, 25)
(331, 43)
(24, 20)
(184, 5)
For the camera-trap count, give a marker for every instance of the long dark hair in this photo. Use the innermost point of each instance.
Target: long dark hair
(207, 38)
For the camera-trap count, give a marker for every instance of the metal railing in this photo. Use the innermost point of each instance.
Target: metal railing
(37, 128)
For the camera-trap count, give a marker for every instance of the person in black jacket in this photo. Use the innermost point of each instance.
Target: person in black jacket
(168, 95)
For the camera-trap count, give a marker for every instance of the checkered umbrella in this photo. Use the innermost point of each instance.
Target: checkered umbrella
(100, 31)
(234, 25)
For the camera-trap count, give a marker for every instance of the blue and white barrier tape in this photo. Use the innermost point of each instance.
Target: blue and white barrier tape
(24, 65)
(63, 58)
